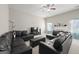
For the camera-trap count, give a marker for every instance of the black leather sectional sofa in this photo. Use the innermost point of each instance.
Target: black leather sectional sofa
(11, 45)
(60, 44)
(57, 45)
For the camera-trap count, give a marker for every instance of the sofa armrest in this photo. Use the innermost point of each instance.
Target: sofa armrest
(28, 37)
(45, 48)
(50, 36)
(66, 45)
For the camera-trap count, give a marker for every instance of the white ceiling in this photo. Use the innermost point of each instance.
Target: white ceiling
(36, 9)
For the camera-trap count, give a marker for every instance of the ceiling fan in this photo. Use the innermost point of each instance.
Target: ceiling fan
(49, 7)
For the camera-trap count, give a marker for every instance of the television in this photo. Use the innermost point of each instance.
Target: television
(35, 30)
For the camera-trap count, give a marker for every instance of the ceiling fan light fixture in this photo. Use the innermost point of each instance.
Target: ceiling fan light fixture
(49, 7)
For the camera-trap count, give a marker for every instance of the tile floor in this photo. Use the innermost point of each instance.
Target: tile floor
(74, 49)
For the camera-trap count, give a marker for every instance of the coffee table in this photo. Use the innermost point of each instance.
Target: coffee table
(34, 42)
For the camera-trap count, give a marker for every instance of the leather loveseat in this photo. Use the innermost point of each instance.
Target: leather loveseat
(58, 45)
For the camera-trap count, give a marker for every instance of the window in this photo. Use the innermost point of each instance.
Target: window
(49, 27)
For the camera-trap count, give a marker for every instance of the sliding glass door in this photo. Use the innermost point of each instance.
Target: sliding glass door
(75, 28)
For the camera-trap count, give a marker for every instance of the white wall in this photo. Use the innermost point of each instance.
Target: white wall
(64, 18)
(4, 17)
(24, 21)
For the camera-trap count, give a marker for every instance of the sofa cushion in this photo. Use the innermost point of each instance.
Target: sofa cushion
(55, 32)
(62, 39)
(21, 49)
(18, 33)
(17, 42)
(19, 46)
(3, 44)
(61, 34)
(24, 33)
(57, 45)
